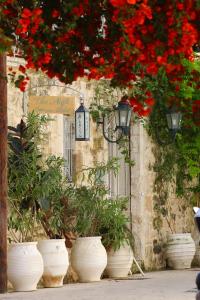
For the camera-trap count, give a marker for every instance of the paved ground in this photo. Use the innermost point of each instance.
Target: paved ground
(163, 285)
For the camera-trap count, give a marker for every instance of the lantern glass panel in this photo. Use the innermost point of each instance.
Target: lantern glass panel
(117, 117)
(123, 117)
(80, 128)
(129, 117)
(87, 125)
(174, 121)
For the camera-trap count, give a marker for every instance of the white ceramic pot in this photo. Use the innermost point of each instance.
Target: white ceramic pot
(56, 262)
(180, 250)
(25, 266)
(119, 262)
(88, 258)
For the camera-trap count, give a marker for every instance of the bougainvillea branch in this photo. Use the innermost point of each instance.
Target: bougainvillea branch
(122, 40)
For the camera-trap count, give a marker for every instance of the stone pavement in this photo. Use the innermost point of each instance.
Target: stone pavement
(162, 285)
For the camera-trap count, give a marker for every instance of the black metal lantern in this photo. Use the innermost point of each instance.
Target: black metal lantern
(116, 123)
(123, 116)
(167, 135)
(82, 122)
(174, 119)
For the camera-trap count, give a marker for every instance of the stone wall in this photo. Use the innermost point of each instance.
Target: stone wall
(148, 242)
(84, 153)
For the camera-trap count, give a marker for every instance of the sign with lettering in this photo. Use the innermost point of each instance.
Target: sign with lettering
(52, 104)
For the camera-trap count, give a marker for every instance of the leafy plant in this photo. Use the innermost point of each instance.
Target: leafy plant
(114, 224)
(96, 212)
(37, 189)
(177, 165)
(88, 198)
(24, 173)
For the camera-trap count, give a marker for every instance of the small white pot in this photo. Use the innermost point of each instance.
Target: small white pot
(25, 266)
(180, 251)
(56, 262)
(88, 258)
(119, 262)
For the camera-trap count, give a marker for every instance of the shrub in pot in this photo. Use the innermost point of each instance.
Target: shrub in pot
(25, 264)
(117, 238)
(35, 191)
(89, 257)
(53, 217)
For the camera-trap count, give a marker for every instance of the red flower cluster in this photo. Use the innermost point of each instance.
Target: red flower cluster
(22, 84)
(118, 3)
(121, 40)
(142, 109)
(29, 22)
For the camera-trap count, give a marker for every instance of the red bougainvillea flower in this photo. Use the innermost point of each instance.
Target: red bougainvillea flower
(22, 69)
(149, 101)
(131, 1)
(136, 39)
(117, 2)
(26, 13)
(55, 13)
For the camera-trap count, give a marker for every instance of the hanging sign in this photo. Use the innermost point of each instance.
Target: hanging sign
(52, 104)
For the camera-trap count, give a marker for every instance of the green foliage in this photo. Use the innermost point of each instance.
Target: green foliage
(89, 197)
(189, 89)
(39, 195)
(177, 165)
(36, 184)
(57, 214)
(96, 213)
(114, 222)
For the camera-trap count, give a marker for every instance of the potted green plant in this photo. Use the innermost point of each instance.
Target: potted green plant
(25, 264)
(53, 214)
(116, 237)
(89, 257)
(35, 184)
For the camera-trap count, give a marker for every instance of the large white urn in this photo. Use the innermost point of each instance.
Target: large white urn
(88, 258)
(56, 262)
(119, 262)
(180, 250)
(25, 266)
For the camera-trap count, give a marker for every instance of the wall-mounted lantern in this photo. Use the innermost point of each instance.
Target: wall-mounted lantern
(116, 123)
(174, 119)
(82, 122)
